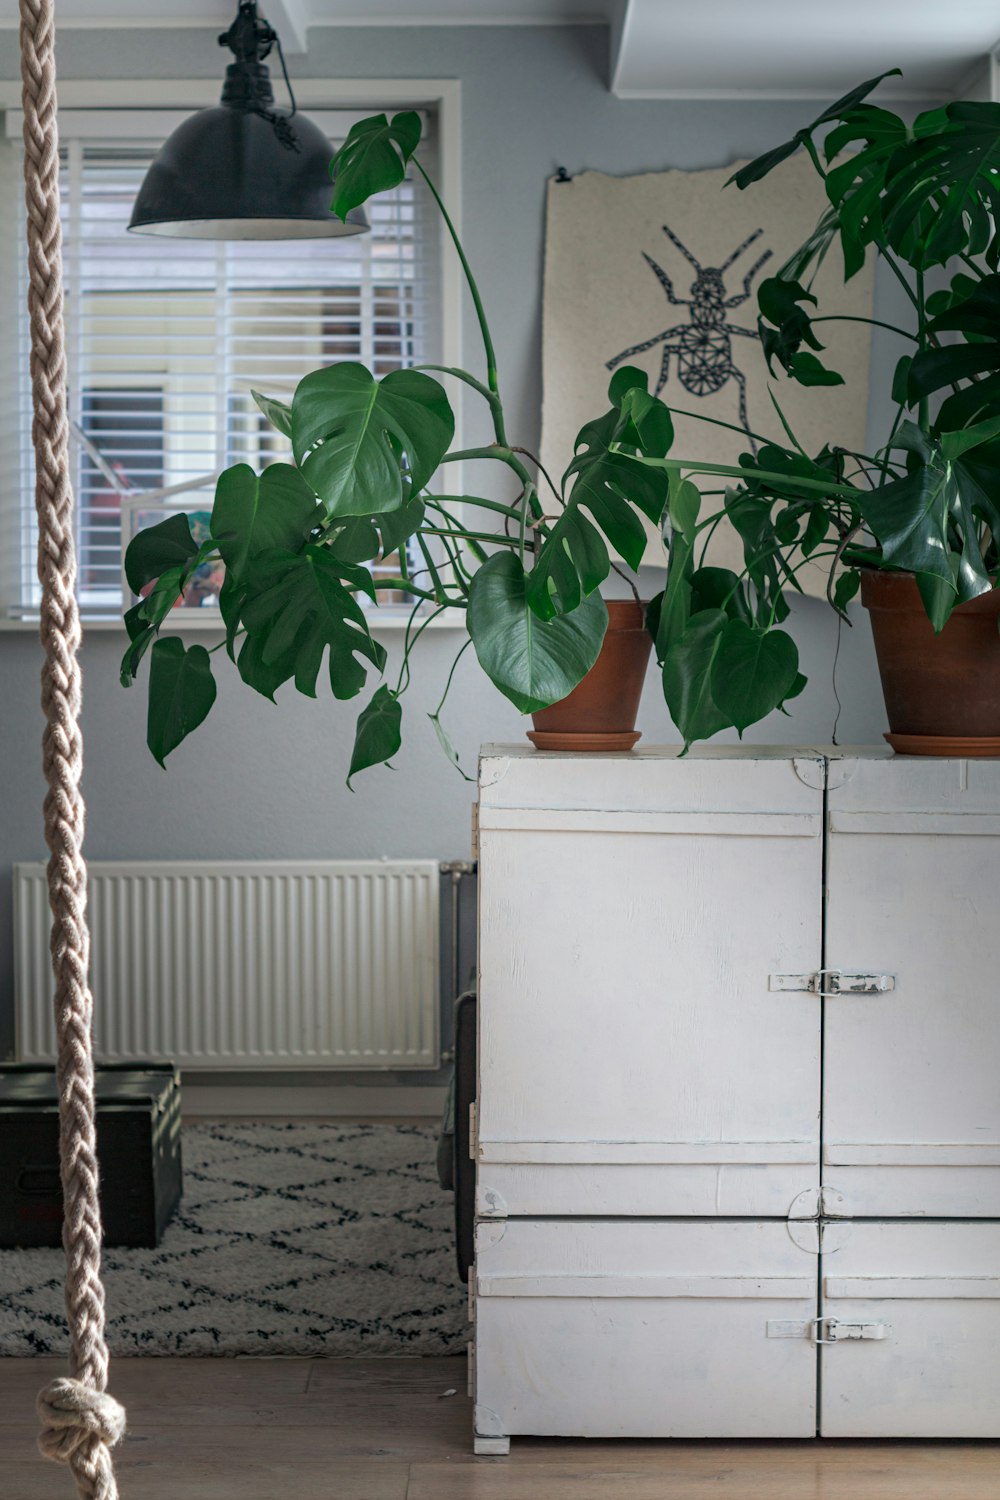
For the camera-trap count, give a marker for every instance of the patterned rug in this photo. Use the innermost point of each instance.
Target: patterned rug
(291, 1239)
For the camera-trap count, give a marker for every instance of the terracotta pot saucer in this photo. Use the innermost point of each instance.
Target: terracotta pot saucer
(587, 744)
(966, 746)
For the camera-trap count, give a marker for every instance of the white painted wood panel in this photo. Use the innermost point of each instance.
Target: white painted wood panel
(911, 1092)
(633, 1059)
(612, 1329)
(935, 1374)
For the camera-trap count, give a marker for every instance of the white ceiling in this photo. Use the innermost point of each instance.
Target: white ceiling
(659, 48)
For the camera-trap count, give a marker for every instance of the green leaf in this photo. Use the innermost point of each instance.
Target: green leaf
(752, 672)
(677, 602)
(572, 563)
(181, 692)
(909, 516)
(945, 174)
(256, 513)
(719, 588)
(609, 485)
(648, 425)
(143, 621)
(278, 413)
(357, 541)
(265, 677)
(687, 678)
(807, 370)
(533, 662)
(378, 735)
(448, 747)
(817, 528)
(901, 379)
(232, 597)
(683, 505)
(300, 603)
(397, 526)
(762, 165)
(846, 587)
(372, 159)
(157, 548)
(368, 446)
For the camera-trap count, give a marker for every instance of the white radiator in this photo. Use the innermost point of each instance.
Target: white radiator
(246, 965)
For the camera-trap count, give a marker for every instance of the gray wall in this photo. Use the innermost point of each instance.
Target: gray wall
(263, 781)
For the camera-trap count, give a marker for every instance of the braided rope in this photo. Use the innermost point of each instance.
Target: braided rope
(80, 1422)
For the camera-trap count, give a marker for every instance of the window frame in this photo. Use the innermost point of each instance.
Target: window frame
(170, 95)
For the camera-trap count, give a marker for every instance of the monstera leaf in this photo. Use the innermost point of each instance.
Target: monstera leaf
(946, 175)
(605, 481)
(367, 446)
(257, 513)
(762, 165)
(977, 317)
(949, 488)
(372, 159)
(533, 662)
(301, 603)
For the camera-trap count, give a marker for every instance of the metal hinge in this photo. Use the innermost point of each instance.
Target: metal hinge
(824, 1330)
(473, 1132)
(827, 982)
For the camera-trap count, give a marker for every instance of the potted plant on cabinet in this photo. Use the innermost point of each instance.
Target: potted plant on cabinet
(295, 540)
(915, 526)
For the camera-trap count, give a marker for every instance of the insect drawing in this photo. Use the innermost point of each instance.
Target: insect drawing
(703, 346)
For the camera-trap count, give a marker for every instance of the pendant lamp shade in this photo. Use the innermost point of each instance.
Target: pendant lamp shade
(243, 170)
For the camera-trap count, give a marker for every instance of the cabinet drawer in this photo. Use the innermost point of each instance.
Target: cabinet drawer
(932, 1291)
(644, 1329)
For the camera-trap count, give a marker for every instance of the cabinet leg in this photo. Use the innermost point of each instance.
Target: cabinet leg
(494, 1445)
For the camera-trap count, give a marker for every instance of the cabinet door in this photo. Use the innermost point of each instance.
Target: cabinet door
(636, 1053)
(644, 1329)
(911, 1094)
(927, 1297)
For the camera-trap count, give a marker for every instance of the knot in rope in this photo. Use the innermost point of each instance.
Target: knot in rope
(80, 1426)
(71, 1413)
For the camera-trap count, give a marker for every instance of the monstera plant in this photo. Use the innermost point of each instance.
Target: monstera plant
(916, 524)
(296, 539)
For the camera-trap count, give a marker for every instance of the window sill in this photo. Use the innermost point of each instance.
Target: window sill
(383, 619)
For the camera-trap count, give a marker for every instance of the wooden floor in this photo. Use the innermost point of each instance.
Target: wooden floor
(398, 1429)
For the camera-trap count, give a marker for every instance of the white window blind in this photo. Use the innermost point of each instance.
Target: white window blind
(167, 338)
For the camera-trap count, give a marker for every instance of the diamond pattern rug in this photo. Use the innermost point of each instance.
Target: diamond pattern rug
(290, 1239)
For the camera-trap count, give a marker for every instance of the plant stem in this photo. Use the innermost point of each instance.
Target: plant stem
(409, 644)
(904, 333)
(447, 687)
(822, 487)
(409, 587)
(436, 502)
(484, 327)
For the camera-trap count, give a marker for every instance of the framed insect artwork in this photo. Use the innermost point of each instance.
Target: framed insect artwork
(661, 271)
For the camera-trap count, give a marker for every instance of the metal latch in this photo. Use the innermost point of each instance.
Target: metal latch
(827, 982)
(830, 1330)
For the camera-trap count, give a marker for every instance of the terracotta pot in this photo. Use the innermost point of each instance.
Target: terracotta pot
(600, 712)
(942, 692)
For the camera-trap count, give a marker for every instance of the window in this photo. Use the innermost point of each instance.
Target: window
(166, 339)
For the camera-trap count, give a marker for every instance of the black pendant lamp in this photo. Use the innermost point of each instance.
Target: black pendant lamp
(243, 170)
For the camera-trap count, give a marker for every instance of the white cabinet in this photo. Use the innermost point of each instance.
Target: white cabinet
(735, 1009)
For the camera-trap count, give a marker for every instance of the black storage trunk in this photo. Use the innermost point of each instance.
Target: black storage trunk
(138, 1151)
